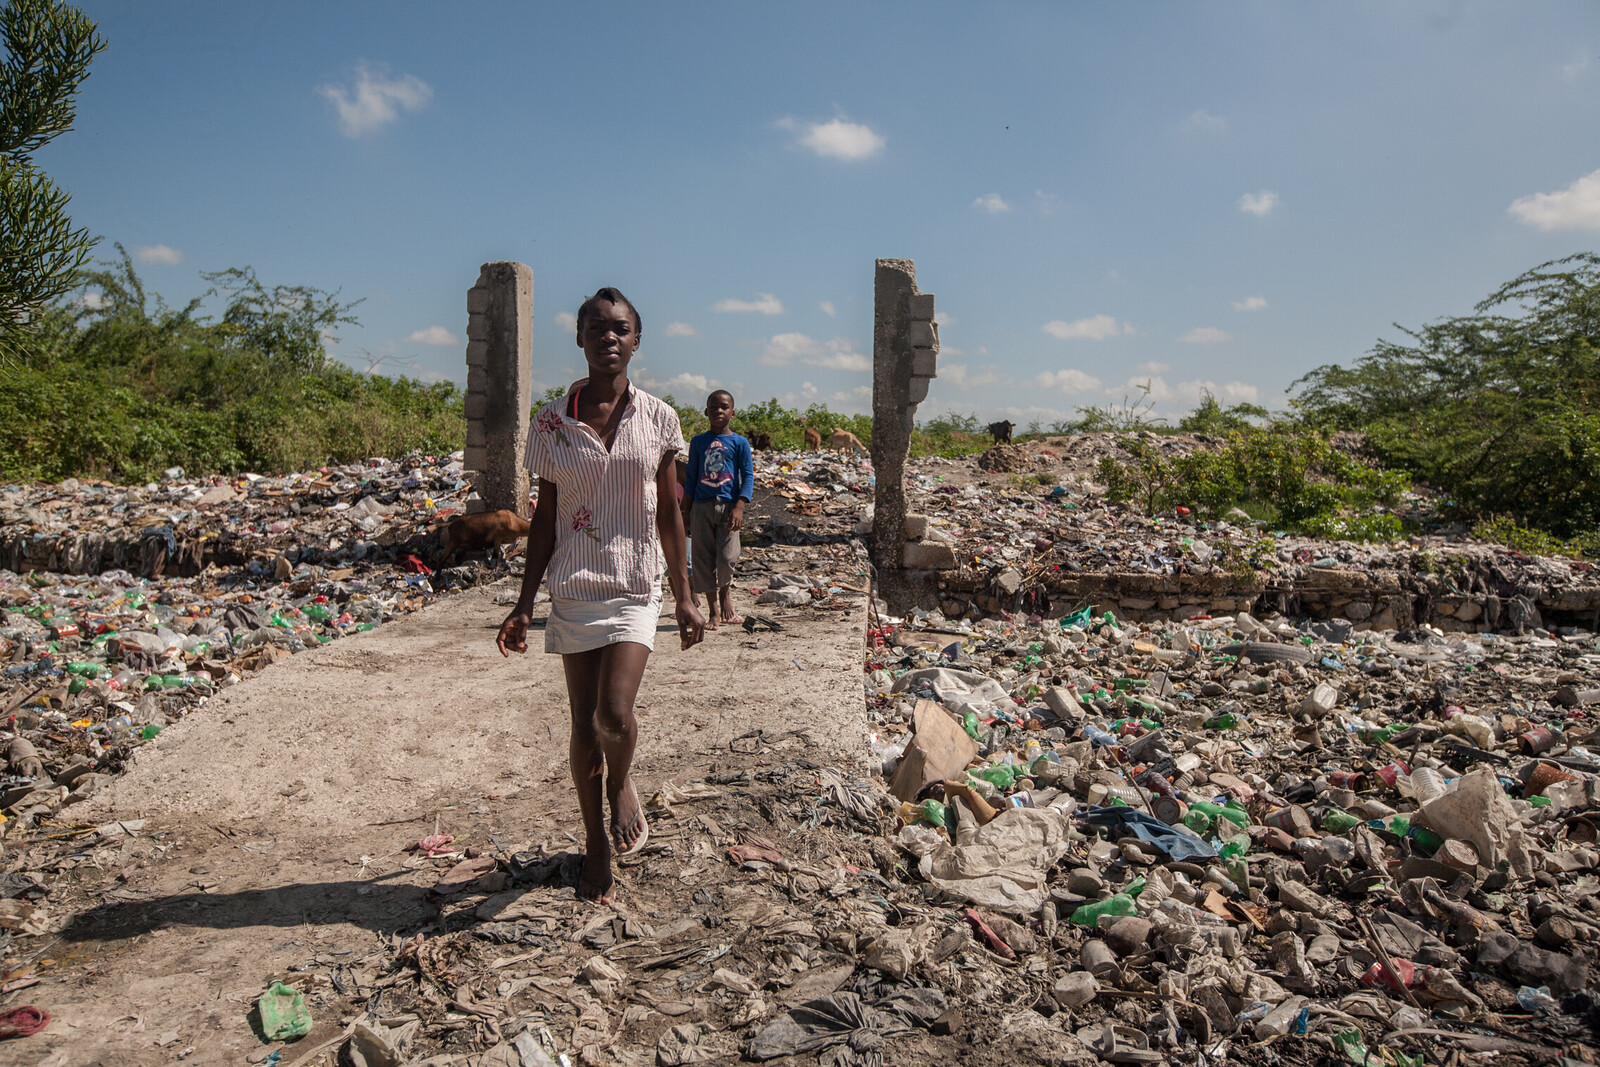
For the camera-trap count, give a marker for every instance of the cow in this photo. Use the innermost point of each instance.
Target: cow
(1001, 431)
(813, 440)
(843, 439)
(485, 529)
(760, 441)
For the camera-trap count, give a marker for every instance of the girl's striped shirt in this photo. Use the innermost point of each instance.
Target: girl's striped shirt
(606, 540)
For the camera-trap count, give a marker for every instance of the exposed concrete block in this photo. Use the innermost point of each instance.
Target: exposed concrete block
(922, 334)
(925, 362)
(500, 315)
(477, 353)
(916, 527)
(917, 390)
(476, 437)
(920, 307)
(928, 556)
(477, 405)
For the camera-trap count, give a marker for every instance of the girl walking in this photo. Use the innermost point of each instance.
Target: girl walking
(605, 457)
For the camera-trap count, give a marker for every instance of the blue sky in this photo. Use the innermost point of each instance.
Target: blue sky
(1211, 195)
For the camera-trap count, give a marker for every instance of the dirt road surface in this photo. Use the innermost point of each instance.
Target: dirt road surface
(274, 822)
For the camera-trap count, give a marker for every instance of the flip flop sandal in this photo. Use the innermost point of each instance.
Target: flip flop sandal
(1118, 1043)
(644, 831)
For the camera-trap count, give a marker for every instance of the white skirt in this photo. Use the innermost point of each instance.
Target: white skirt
(584, 625)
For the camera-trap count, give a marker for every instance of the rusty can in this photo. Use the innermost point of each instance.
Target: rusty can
(1354, 781)
(1169, 810)
(1292, 820)
(1458, 854)
(1543, 775)
(1393, 772)
(1537, 740)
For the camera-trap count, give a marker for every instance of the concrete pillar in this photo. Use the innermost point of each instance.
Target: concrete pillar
(499, 385)
(905, 344)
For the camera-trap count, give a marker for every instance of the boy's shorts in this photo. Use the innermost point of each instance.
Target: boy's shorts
(715, 548)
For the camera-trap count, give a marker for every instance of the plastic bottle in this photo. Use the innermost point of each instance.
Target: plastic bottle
(1238, 816)
(1336, 821)
(1098, 736)
(969, 723)
(1226, 721)
(1120, 904)
(1002, 776)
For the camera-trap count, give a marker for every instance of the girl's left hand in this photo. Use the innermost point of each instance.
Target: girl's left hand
(691, 624)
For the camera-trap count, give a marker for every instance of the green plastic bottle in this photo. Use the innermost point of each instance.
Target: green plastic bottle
(1120, 904)
(1336, 821)
(1001, 775)
(1226, 721)
(934, 812)
(969, 722)
(1238, 816)
(1199, 822)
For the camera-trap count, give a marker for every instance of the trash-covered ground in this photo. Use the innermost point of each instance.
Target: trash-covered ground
(1199, 833)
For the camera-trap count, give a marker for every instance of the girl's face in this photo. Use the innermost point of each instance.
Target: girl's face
(608, 338)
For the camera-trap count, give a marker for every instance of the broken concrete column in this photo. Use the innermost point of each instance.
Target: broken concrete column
(499, 385)
(905, 344)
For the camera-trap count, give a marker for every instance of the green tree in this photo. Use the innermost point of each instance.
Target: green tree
(48, 47)
(1499, 409)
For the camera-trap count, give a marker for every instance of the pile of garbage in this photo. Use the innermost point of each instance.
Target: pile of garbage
(231, 576)
(1029, 529)
(1230, 830)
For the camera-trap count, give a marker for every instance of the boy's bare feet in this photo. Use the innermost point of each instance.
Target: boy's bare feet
(629, 831)
(596, 884)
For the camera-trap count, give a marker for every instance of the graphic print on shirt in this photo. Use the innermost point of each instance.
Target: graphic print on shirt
(716, 466)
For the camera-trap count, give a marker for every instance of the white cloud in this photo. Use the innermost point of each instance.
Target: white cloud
(1258, 204)
(374, 100)
(680, 329)
(766, 305)
(1202, 121)
(157, 255)
(1250, 303)
(992, 203)
(828, 309)
(837, 354)
(808, 390)
(1205, 335)
(434, 335)
(566, 320)
(1577, 207)
(1573, 72)
(1153, 368)
(944, 319)
(1070, 380)
(1186, 395)
(960, 376)
(93, 301)
(685, 387)
(1046, 202)
(836, 138)
(1094, 328)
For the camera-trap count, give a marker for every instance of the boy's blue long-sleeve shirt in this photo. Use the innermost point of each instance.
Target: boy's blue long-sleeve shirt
(721, 467)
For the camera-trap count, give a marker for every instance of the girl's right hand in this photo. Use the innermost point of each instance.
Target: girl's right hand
(513, 636)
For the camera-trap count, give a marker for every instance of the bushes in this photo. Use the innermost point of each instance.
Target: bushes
(132, 387)
(1295, 477)
(1500, 410)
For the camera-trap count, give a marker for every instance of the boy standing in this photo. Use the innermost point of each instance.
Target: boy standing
(718, 483)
